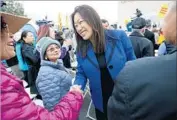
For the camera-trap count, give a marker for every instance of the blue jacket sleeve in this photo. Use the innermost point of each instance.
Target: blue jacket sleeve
(80, 79)
(162, 49)
(127, 46)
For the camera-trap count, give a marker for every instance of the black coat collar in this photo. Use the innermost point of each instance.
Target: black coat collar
(137, 34)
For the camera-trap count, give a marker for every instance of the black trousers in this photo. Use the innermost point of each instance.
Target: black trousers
(26, 76)
(100, 115)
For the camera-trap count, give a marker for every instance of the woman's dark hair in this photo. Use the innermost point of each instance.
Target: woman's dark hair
(23, 35)
(93, 19)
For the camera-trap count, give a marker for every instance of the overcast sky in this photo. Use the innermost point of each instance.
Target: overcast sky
(38, 9)
(110, 10)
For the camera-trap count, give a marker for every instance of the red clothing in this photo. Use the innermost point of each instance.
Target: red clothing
(16, 103)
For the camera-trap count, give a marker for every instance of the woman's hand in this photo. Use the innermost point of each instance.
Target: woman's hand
(76, 88)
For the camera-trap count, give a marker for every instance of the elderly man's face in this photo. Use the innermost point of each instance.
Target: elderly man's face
(169, 27)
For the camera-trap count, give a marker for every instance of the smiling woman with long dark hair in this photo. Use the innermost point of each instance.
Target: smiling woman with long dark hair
(101, 54)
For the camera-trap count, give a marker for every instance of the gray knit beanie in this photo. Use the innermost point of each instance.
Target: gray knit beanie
(44, 43)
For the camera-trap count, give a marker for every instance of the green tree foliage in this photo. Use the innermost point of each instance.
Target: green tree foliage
(13, 7)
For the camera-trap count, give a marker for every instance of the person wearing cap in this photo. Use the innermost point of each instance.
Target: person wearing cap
(53, 80)
(15, 101)
(141, 45)
(146, 88)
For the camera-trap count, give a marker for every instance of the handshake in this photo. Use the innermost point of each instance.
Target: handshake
(76, 88)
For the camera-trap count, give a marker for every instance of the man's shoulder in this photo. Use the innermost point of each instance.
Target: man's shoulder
(150, 63)
(147, 71)
(149, 32)
(140, 63)
(145, 40)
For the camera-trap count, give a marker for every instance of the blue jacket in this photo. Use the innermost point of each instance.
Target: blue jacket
(53, 82)
(116, 58)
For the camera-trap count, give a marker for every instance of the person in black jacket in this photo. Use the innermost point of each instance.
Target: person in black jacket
(32, 59)
(142, 46)
(149, 34)
(146, 88)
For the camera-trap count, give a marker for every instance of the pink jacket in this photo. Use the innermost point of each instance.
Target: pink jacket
(16, 104)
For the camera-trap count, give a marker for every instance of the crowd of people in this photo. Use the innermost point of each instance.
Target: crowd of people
(125, 78)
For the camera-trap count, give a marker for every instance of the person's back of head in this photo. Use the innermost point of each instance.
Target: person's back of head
(138, 25)
(148, 24)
